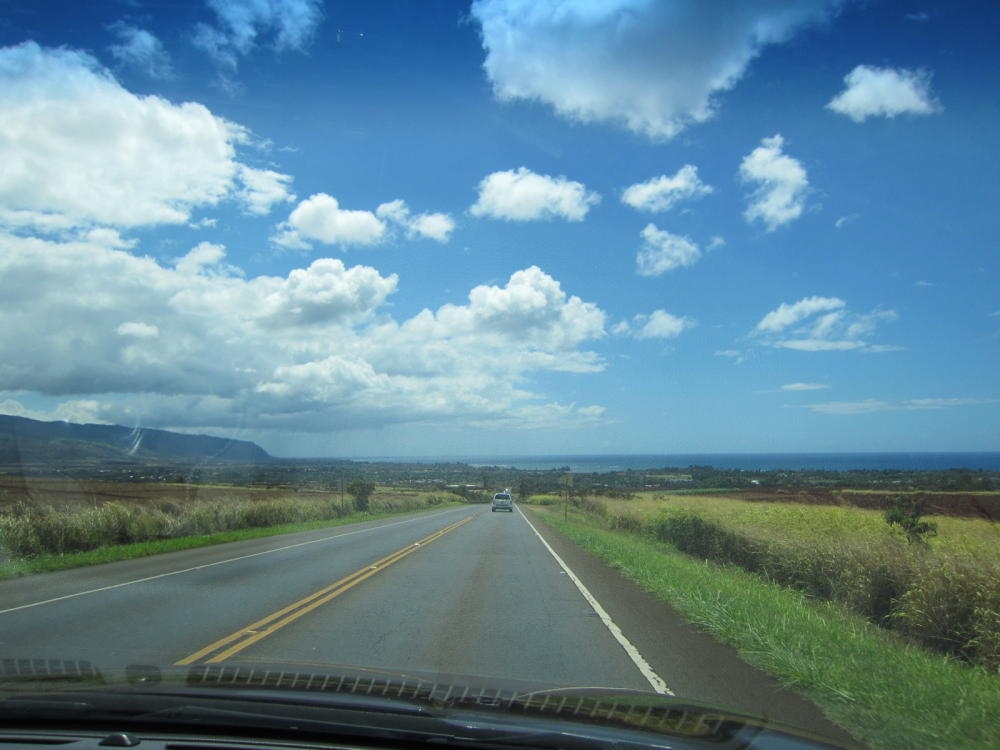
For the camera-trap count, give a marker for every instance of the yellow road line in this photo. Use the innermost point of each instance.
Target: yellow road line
(224, 648)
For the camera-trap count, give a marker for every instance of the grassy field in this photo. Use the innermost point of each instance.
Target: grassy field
(886, 692)
(49, 524)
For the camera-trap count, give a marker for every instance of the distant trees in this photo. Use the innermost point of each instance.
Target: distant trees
(361, 492)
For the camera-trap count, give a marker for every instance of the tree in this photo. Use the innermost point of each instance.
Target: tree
(361, 491)
(905, 513)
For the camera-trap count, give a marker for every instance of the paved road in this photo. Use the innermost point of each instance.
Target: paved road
(457, 591)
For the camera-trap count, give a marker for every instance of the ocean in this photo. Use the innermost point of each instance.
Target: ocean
(986, 461)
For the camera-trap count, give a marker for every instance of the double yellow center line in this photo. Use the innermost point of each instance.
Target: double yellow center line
(232, 644)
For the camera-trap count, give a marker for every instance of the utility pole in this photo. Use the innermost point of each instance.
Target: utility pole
(568, 479)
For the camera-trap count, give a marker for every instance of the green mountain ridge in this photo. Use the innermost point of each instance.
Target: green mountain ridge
(24, 440)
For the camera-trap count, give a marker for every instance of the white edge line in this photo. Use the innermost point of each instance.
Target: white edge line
(633, 653)
(169, 573)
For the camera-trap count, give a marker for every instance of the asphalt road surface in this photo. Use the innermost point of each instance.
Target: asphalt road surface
(460, 591)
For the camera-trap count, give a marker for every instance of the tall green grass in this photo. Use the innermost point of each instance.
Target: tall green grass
(943, 593)
(887, 693)
(29, 530)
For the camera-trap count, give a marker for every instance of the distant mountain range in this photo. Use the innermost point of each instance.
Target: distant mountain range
(25, 440)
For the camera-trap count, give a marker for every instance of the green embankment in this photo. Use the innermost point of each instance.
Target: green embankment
(887, 692)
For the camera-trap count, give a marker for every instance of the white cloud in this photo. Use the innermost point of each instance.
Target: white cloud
(662, 251)
(655, 68)
(786, 315)
(885, 92)
(872, 405)
(947, 403)
(140, 49)
(101, 155)
(663, 193)
(263, 188)
(819, 345)
(434, 226)
(243, 25)
(200, 259)
(80, 411)
(321, 218)
(882, 348)
(815, 324)
(804, 387)
(138, 330)
(868, 406)
(107, 238)
(196, 345)
(522, 195)
(116, 322)
(781, 181)
(659, 324)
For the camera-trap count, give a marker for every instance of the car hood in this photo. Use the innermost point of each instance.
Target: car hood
(281, 696)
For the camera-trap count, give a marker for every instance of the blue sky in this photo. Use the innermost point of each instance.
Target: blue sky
(505, 227)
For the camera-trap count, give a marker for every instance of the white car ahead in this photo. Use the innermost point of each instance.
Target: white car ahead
(502, 501)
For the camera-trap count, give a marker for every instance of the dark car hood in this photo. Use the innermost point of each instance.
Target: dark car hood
(212, 693)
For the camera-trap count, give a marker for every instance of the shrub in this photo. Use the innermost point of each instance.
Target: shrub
(361, 491)
(905, 513)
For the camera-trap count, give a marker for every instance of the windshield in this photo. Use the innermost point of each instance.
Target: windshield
(292, 292)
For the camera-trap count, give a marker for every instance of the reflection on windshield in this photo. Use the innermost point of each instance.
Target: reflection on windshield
(295, 294)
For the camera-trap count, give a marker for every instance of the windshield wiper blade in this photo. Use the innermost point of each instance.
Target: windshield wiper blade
(21, 672)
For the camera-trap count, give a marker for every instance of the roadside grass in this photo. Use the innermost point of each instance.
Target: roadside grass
(943, 592)
(42, 538)
(885, 692)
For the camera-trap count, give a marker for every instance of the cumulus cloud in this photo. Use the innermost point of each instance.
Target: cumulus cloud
(782, 184)
(659, 324)
(115, 322)
(662, 251)
(433, 226)
(654, 68)
(885, 92)
(804, 387)
(203, 258)
(243, 25)
(101, 155)
(521, 195)
(321, 218)
(198, 345)
(263, 188)
(663, 193)
(140, 49)
(815, 324)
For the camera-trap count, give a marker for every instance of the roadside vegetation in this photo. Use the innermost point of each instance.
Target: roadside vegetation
(886, 692)
(49, 524)
(887, 619)
(935, 583)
